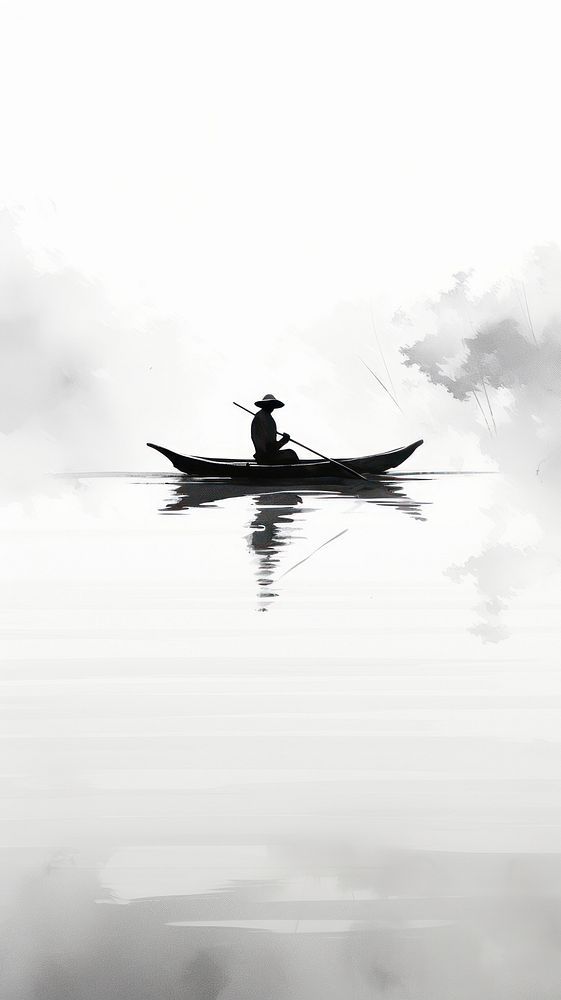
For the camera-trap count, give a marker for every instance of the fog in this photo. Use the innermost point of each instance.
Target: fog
(301, 744)
(502, 947)
(501, 351)
(86, 381)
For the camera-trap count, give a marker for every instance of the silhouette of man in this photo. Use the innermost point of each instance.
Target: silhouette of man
(264, 435)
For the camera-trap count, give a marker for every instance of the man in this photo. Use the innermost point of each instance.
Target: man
(264, 435)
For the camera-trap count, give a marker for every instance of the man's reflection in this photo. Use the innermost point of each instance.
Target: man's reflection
(274, 513)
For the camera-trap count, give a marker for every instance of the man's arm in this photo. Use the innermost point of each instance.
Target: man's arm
(264, 435)
(285, 438)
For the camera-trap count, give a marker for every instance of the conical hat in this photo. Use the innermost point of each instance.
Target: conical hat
(269, 400)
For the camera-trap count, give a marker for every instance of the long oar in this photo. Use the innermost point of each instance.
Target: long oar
(333, 461)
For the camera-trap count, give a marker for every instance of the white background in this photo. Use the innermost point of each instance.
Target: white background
(250, 173)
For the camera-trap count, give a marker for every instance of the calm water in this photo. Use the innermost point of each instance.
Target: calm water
(291, 744)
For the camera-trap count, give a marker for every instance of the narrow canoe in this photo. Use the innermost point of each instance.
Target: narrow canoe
(249, 470)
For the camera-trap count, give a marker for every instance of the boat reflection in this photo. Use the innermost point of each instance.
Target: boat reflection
(384, 490)
(279, 516)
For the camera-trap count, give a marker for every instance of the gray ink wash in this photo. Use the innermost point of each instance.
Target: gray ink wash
(77, 374)
(204, 801)
(501, 350)
(353, 794)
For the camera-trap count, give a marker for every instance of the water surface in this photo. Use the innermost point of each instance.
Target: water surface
(260, 744)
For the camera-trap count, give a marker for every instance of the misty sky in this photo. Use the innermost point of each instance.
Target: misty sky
(251, 175)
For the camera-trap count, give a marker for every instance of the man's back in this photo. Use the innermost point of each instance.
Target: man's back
(263, 433)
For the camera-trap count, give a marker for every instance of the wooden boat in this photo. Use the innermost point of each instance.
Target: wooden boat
(303, 471)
